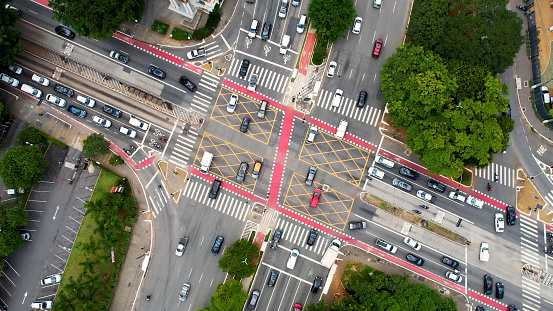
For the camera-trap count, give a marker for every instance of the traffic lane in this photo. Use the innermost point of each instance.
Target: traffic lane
(512, 292)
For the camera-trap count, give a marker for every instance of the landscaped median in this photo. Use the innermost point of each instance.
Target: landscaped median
(93, 267)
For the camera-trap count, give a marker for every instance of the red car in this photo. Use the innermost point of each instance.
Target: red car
(377, 47)
(297, 307)
(315, 198)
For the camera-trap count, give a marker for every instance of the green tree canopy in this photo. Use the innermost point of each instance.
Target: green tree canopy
(446, 129)
(95, 145)
(11, 218)
(10, 45)
(31, 135)
(115, 160)
(474, 31)
(240, 258)
(228, 297)
(22, 166)
(95, 19)
(331, 18)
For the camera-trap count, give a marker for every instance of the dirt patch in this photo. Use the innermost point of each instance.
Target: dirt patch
(528, 199)
(397, 133)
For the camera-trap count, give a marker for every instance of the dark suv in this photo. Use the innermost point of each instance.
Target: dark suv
(316, 284)
(450, 262)
(312, 237)
(273, 278)
(409, 173)
(511, 216)
(488, 284)
(244, 67)
(436, 185)
(499, 290)
(63, 90)
(310, 175)
(214, 189)
(187, 84)
(63, 31)
(361, 100)
(242, 170)
(266, 32)
(154, 71)
(114, 112)
(402, 185)
(217, 245)
(276, 238)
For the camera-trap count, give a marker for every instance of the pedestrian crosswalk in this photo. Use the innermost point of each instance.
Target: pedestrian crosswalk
(530, 295)
(549, 198)
(529, 241)
(368, 114)
(182, 152)
(225, 203)
(203, 100)
(506, 175)
(267, 79)
(297, 234)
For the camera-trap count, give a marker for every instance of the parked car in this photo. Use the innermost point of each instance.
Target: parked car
(450, 262)
(402, 185)
(187, 84)
(417, 260)
(65, 32)
(375, 172)
(9, 80)
(196, 53)
(244, 67)
(112, 111)
(386, 245)
(357, 25)
(42, 305)
(425, 196)
(312, 237)
(412, 243)
(26, 236)
(499, 222)
(254, 297)
(315, 198)
(40, 80)
(383, 161)
(242, 170)
(53, 99)
(63, 90)
(356, 225)
(184, 290)
(511, 216)
(484, 252)
(310, 175)
(475, 202)
(101, 121)
(316, 285)
(154, 71)
(455, 277)
(488, 284)
(436, 186)
(217, 245)
(273, 278)
(456, 196)
(50, 280)
(409, 173)
(81, 113)
(377, 47)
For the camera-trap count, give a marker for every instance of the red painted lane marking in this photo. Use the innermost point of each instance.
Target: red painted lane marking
(122, 37)
(548, 227)
(43, 3)
(146, 162)
(159, 53)
(122, 154)
(306, 53)
(193, 68)
(347, 136)
(490, 201)
(486, 300)
(422, 169)
(276, 178)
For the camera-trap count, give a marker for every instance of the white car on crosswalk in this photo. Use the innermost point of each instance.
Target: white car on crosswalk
(475, 202)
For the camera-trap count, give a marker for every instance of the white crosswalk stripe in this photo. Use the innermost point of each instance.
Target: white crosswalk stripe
(267, 79)
(529, 254)
(530, 294)
(297, 235)
(506, 175)
(549, 198)
(202, 102)
(226, 202)
(181, 154)
(368, 114)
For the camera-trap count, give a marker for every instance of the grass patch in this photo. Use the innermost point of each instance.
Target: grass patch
(160, 27)
(267, 236)
(465, 179)
(179, 34)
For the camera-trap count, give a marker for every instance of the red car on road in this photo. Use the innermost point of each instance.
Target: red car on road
(315, 198)
(297, 307)
(377, 47)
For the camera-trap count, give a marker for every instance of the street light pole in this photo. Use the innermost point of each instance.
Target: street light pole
(540, 84)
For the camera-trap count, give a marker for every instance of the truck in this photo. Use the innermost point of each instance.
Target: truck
(341, 129)
(181, 246)
(206, 162)
(331, 253)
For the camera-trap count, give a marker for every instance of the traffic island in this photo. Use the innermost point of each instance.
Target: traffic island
(529, 200)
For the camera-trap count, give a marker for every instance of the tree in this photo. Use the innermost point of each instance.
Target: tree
(11, 218)
(331, 18)
(228, 297)
(31, 135)
(22, 166)
(448, 130)
(10, 45)
(474, 31)
(115, 160)
(320, 306)
(95, 19)
(240, 258)
(95, 145)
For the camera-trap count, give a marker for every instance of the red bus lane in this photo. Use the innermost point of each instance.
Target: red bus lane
(348, 137)
(490, 201)
(306, 53)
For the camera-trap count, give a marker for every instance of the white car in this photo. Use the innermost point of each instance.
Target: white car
(253, 82)
(40, 80)
(475, 202)
(357, 25)
(499, 222)
(484, 252)
(232, 103)
(128, 132)
(311, 134)
(412, 243)
(196, 53)
(42, 305)
(55, 100)
(16, 69)
(425, 196)
(377, 173)
(53, 279)
(31, 90)
(331, 69)
(86, 101)
(454, 276)
(294, 254)
(253, 29)
(137, 123)
(383, 161)
(455, 196)
(101, 121)
(9, 80)
(337, 98)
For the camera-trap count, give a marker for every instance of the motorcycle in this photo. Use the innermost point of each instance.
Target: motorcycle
(163, 139)
(155, 144)
(423, 206)
(148, 298)
(132, 147)
(496, 178)
(127, 151)
(416, 211)
(489, 187)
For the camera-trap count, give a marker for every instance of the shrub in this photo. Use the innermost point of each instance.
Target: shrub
(202, 33)
(160, 27)
(319, 51)
(179, 34)
(115, 160)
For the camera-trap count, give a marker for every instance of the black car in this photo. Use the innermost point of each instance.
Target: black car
(356, 225)
(187, 84)
(154, 71)
(244, 67)
(266, 32)
(479, 308)
(512, 308)
(217, 245)
(402, 185)
(114, 112)
(511, 216)
(253, 299)
(488, 284)
(245, 124)
(63, 90)
(409, 173)
(276, 238)
(242, 170)
(273, 278)
(361, 100)
(310, 175)
(417, 260)
(250, 1)
(81, 113)
(436, 185)
(499, 290)
(450, 262)
(316, 284)
(63, 31)
(312, 237)
(214, 189)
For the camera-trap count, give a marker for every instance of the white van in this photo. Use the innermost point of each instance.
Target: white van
(31, 90)
(253, 29)
(545, 93)
(137, 123)
(285, 44)
(86, 101)
(301, 24)
(128, 132)
(206, 162)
